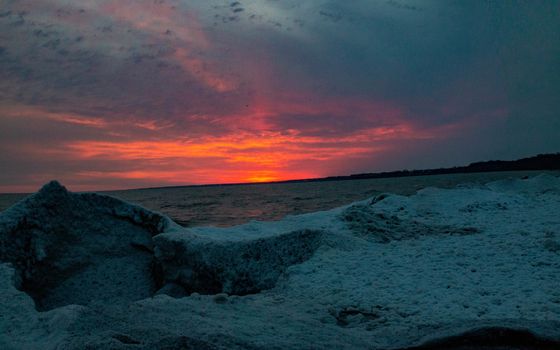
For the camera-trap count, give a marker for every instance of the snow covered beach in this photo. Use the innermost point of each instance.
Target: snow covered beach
(477, 265)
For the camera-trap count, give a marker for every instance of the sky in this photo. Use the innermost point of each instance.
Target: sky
(112, 94)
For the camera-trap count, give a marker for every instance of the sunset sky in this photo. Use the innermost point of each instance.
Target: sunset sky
(107, 94)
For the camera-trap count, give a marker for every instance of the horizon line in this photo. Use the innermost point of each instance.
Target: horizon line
(358, 176)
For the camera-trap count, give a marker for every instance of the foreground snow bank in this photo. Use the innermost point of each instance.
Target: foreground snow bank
(77, 248)
(475, 266)
(231, 265)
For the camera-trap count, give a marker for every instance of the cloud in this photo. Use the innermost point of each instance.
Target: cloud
(135, 93)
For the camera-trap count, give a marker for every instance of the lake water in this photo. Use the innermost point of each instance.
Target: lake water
(236, 204)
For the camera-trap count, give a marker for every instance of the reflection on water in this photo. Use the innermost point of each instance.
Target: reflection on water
(237, 204)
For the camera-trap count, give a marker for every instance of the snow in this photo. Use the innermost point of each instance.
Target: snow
(77, 248)
(202, 264)
(469, 264)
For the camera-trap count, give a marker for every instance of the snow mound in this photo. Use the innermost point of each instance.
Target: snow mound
(366, 221)
(475, 267)
(78, 248)
(71, 248)
(21, 326)
(201, 264)
(540, 184)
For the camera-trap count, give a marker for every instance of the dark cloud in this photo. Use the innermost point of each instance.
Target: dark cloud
(416, 82)
(325, 125)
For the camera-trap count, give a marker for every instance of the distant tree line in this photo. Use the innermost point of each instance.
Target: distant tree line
(540, 162)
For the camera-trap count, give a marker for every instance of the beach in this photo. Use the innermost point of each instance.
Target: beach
(475, 265)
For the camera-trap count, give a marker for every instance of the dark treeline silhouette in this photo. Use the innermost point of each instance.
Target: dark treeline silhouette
(539, 162)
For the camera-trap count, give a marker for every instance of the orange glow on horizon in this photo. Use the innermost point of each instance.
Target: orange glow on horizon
(264, 157)
(125, 93)
(199, 176)
(254, 149)
(267, 149)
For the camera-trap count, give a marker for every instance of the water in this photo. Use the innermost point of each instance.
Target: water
(237, 204)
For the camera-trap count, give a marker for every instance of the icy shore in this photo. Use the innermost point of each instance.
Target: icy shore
(476, 266)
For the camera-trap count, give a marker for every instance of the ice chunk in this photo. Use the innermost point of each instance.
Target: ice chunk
(21, 326)
(76, 248)
(233, 266)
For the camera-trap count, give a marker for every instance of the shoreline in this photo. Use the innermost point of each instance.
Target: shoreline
(293, 199)
(389, 272)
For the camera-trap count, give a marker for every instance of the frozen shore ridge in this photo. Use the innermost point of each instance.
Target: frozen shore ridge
(475, 267)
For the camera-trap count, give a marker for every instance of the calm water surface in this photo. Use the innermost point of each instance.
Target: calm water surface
(237, 204)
